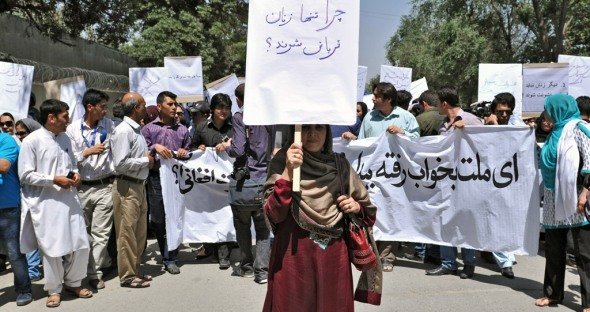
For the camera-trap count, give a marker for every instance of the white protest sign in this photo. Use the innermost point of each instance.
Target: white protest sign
(16, 81)
(424, 189)
(498, 78)
(196, 198)
(227, 85)
(579, 74)
(540, 81)
(361, 81)
(149, 82)
(417, 87)
(185, 77)
(399, 77)
(69, 90)
(301, 65)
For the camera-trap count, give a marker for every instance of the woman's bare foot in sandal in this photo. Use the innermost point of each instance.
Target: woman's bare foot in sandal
(53, 301)
(545, 302)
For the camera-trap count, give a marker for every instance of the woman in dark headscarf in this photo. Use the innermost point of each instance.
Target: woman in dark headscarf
(565, 165)
(309, 266)
(25, 126)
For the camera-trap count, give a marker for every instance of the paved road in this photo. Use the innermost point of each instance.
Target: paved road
(203, 287)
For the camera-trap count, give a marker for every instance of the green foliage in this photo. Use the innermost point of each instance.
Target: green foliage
(445, 40)
(215, 30)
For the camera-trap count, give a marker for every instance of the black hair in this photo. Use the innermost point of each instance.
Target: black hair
(584, 105)
(429, 97)
(403, 99)
(8, 114)
(503, 98)
(239, 93)
(51, 107)
(93, 97)
(364, 109)
(449, 95)
(163, 95)
(387, 91)
(220, 99)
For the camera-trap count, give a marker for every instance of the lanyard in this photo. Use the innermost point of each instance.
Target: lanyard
(88, 144)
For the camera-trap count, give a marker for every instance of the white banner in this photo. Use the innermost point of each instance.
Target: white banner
(497, 78)
(196, 199)
(149, 82)
(540, 81)
(301, 65)
(16, 81)
(72, 93)
(417, 87)
(476, 188)
(361, 81)
(227, 85)
(579, 74)
(185, 77)
(399, 77)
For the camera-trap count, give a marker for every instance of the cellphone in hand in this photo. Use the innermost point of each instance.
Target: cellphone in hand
(70, 175)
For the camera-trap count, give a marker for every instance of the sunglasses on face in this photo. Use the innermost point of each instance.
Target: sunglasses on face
(7, 124)
(21, 133)
(502, 112)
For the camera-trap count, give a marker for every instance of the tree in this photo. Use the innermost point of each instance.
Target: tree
(216, 30)
(445, 40)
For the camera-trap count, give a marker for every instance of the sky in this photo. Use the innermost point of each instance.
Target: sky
(379, 21)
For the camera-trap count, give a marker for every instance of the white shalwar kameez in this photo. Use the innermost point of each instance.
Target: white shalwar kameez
(52, 219)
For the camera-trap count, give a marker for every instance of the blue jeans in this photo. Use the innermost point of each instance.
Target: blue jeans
(449, 257)
(504, 259)
(34, 261)
(9, 237)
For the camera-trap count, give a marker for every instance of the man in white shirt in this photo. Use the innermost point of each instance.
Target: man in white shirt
(90, 138)
(48, 174)
(132, 163)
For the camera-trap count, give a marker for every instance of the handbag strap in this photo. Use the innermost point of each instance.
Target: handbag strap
(349, 217)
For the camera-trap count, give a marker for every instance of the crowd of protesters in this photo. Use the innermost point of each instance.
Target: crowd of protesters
(69, 189)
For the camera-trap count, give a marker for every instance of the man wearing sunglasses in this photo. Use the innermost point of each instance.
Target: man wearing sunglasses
(502, 109)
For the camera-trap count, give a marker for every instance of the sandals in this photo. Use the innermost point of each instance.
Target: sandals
(546, 302)
(79, 291)
(53, 301)
(136, 283)
(387, 265)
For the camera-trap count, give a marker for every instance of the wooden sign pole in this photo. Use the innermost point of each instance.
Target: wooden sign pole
(297, 171)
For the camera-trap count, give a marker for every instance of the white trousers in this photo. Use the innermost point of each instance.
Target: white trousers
(69, 270)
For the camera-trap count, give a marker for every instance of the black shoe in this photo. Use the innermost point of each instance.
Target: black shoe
(261, 280)
(433, 260)
(507, 272)
(441, 271)
(172, 268)
(467, 272)
(224, 264)
(249, 273)
(415, 256)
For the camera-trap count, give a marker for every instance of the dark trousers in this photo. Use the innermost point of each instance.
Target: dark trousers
(158, 217)
(10, 240)
(555, 251)
(242, 223)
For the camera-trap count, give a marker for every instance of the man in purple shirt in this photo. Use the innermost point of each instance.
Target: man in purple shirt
(164, 136)
(250, 146)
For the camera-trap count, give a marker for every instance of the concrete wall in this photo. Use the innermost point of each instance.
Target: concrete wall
(23, 41)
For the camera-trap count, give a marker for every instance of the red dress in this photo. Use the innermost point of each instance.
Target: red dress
(302, 275)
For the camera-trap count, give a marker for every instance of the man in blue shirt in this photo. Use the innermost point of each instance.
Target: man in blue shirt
(10, 217)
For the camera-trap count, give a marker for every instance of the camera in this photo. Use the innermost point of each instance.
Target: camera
(481, 109)
(241, 173)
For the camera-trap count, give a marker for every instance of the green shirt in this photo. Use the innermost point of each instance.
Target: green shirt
(430, 121)
(375, 123)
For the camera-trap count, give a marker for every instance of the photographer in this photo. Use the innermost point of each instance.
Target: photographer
(250, 146)
(502, 111)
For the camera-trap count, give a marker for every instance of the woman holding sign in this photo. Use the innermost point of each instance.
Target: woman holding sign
(565, 165)
(309, 266)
